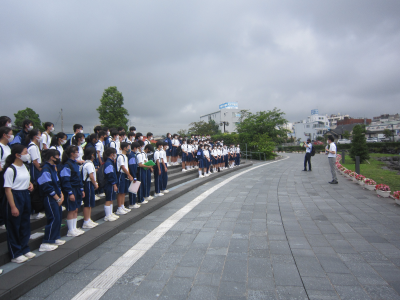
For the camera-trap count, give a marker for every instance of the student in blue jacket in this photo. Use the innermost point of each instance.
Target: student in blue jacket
(110, 187)
(72, 188)
(200, 158)
(20, 138)
(169, 150)
(133, 168)
(50, 189)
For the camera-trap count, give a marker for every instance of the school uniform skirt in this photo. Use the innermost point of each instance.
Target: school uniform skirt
(122, 183)
(201, 163)
(184, 157)
(190, 157)
(73, 205)
(89, 200)
(19, 228)
(174, 151)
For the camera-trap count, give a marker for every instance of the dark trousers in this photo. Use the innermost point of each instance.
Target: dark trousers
(307, 158)
(142, 188)
(164, 180)
(19, 228)
(148, 183)
(53, 216)
(157, 180)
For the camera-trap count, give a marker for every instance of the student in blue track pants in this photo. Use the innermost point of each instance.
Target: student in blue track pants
(200, 158)
(147, 150)
(141, 158)
(164, 169)
(72, 188)
(157, 169)
(133, 169)
(110, 187)
(17, 186)
(50, 190)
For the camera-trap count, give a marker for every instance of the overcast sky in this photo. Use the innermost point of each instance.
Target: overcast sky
(176, 60)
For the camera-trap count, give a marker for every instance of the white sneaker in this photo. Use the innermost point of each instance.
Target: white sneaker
(165, 191)
(159, 194)
(72, 233)
(110, 218)
(134, 206)
(115, 216)
(96, 198)
(206, 175)
(120, 211)
(3, 227)
(102, 195)
(88, 225)
(183, 170)
(150, 198)
(144, 202)
(63, 208)
(1, 271)
(47, 247)
(201, 176)
(59, 242)
(29, 255)
(80, 231)
(126, 209)
(93, 223)
(40, 216)
(19, 259)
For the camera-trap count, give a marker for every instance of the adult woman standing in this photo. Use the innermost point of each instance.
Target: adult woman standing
(17, 187)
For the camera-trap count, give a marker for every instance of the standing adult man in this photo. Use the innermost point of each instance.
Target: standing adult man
(332, 158)
(307, 158)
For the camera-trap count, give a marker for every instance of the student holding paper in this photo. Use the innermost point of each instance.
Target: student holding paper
(149, 163)
(133, 168)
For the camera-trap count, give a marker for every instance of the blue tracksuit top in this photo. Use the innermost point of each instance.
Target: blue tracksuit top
(48, 181)
(110, 172)
(168, 140)
(70, 178)
(19, 138)
(200, 154)
(132, 164)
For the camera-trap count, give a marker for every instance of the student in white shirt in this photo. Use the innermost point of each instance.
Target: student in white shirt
(307, 157)
(149, 139)
(164, 168)
(78, 141)
(184, 148)
(6, 136)
(33, 139)
(17, 187)
(332, 159)
(174, 155)
(90, 185)
(124, 178)
(114, 143)
(58, 141)
(157, 169)
(46, 136)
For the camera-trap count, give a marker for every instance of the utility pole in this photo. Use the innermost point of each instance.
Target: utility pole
(62, 121)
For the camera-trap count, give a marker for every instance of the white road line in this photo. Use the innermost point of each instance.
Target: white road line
(103, 282)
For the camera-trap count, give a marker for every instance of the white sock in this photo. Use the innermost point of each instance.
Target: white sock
(123, 206)
(199, 173)
(75, 220)
(112, 209)
(70, 224)
(86, 222)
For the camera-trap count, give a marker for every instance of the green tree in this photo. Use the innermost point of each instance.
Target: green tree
(387, 133)
(346, 134)
(203, 128)
(28, 113)
(264, 122)
(359, 144)
(182, 132)
(320, 138)
(111, 110)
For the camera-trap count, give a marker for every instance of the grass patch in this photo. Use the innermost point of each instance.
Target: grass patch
(374, 171)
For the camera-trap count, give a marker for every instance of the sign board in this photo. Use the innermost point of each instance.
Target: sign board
(314, 112)
(229, 105)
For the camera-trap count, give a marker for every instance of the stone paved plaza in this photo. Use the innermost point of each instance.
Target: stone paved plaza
(274, 232)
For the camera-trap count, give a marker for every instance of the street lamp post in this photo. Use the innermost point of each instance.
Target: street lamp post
(225, 124)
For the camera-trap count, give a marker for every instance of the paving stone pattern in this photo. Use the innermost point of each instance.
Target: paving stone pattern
(274, 233)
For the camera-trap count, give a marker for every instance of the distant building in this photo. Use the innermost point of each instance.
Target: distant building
(333, 119)
(312, 127)
(354, 121)
(227, 117)
(382, 122)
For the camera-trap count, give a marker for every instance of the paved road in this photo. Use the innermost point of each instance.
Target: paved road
(274, 232)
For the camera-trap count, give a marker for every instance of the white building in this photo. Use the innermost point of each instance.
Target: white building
(332, 119)
(312, 127)
(227, 117)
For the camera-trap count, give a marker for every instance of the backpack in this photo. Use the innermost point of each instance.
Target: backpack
(2, 189)
(312, 151)
(101, 179)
